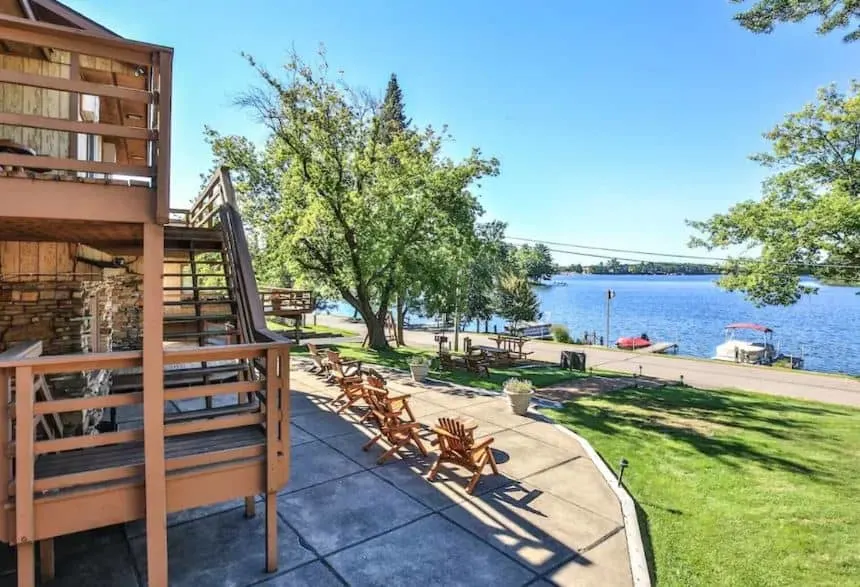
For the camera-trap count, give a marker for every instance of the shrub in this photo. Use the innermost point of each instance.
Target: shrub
(516, 385)
(560, 333)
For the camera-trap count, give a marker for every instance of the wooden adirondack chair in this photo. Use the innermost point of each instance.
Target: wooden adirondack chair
(457, 446)
(320, 361)
(374, 383)
(397, 433)
(340, 370)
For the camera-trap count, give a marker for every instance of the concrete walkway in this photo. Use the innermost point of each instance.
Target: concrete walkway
(700, 373)
(548, 518)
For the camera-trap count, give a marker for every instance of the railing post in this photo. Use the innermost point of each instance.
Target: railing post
(284, 370)
(153, 405)
(24, 464)
(165, 92)
(273, 450)
(5, 464)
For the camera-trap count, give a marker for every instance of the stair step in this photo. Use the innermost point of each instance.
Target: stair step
(212, 412)
(211, 317)
(190, 274)
(205, 333)
(199, 288)
(176, 377)
(199, 302)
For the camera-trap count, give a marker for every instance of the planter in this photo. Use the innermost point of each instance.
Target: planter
(519, 401)
(419, 372)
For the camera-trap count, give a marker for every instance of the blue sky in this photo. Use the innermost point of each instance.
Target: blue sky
(613, 121)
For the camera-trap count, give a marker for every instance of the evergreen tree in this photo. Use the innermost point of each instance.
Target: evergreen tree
(392, 115)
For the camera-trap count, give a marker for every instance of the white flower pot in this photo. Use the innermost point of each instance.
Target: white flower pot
(419, 372)
(519, 401)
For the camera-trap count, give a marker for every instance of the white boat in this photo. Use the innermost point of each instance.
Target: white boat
(758, 352)
(738, 350)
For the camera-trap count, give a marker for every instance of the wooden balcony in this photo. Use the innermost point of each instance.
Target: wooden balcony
(84, 125)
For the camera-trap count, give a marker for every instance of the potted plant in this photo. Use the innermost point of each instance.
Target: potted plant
(419, 366)
(519, 392)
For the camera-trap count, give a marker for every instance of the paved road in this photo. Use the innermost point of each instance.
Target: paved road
(697, 372)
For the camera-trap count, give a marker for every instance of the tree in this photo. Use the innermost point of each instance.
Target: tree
(834, 14)
(392, 114)
(535, 261)
(343, 208)
(517, 301)
(808, 219)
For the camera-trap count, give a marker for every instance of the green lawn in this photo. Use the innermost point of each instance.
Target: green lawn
(398, 358)
(734, 488)
(310, 329)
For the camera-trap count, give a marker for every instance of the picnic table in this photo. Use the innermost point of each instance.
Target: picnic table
(496, 355)
(512, 344)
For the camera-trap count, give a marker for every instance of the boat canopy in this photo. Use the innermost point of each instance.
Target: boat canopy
(749, 326)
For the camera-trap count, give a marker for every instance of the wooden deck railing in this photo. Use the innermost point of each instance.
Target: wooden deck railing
(279, 301)
(133, 80)
(19, 443)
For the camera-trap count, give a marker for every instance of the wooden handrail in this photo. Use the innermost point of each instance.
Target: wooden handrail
(92, 128)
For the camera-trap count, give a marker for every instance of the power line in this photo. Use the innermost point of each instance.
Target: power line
(713, 260)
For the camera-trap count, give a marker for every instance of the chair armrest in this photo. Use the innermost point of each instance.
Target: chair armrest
(369, 387)
(483, 444)
(402, 396)
(442, 432)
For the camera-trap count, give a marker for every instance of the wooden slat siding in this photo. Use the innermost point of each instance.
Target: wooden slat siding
(13, 98)
(273, 476)
(31, 104)
(47, 254)
(41, 34)
(24, 476)
(221, 423)
(165, 85)
(77, 86)
(241, 387)
(153, 405)
(5, 437)
(29, 263)
(63, 164)
(60, 124)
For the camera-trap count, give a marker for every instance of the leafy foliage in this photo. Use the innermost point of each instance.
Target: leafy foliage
(535, 261)
(808, 219)
(833, 14)
(560, 333)
(332, 201)
(517, 301)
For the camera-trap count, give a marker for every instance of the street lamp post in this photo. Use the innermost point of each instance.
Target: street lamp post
(609, 295)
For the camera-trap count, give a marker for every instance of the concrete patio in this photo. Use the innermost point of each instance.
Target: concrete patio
(548, 518)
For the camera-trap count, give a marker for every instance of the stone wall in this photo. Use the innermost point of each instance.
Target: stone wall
(50, 311)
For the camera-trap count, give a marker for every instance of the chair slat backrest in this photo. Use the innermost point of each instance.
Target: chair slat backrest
(461, 443)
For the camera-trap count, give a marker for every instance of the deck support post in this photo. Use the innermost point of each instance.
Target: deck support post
(153, 405)
(46, 559)
(24, 472)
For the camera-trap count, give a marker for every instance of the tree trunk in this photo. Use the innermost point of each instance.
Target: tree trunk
(376, 333)
(401, 318)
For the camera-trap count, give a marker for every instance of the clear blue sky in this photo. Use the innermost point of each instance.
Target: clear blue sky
(613, 121)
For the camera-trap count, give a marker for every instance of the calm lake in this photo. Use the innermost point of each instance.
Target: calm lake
(692, 311)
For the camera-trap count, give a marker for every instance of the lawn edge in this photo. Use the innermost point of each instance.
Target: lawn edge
(635, 548)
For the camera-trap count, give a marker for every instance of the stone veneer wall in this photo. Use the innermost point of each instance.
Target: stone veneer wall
(59, 314)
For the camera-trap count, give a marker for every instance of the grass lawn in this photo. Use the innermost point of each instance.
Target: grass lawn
(310, 328)
(734, 488)
(398, 358)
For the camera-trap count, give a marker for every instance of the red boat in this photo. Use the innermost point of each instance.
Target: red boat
(632, 342)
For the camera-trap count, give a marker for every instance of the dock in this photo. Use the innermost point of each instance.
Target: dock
(661, 348)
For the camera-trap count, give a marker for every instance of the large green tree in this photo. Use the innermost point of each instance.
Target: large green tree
(833, 15)
(535, 261)
(517, 300)
(808, 218)
(338, 205)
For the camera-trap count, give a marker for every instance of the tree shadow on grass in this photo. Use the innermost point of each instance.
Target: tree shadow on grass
(699, 419)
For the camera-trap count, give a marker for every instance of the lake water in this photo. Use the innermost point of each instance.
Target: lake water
(692, 311)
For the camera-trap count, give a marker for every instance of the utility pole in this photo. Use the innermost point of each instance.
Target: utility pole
(609, 295)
